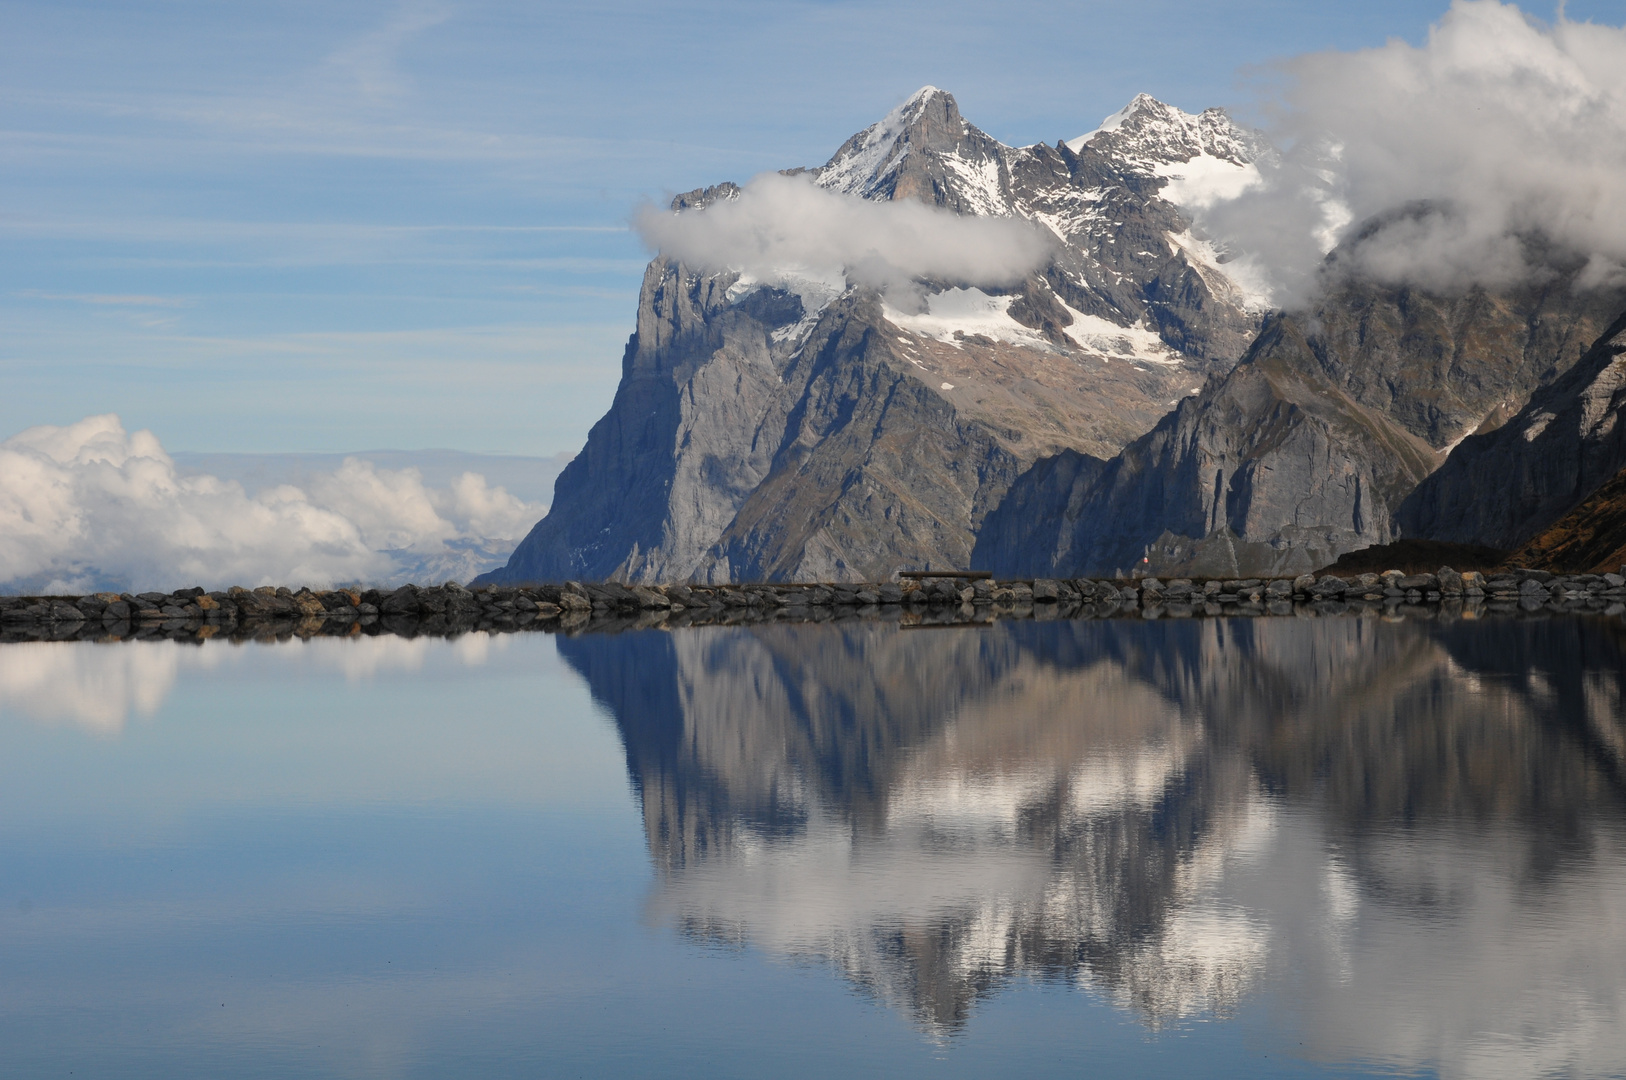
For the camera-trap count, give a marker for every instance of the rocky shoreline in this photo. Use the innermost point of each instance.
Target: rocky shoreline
(574, 606)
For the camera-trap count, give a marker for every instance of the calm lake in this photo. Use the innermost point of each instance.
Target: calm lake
(1217, 847)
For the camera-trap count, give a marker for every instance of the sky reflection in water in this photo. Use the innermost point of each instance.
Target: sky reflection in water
(1217, 847)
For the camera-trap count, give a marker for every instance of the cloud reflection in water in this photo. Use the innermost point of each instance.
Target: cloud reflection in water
(99, 686)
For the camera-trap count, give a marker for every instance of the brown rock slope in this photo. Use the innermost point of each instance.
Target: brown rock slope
(1591, 539)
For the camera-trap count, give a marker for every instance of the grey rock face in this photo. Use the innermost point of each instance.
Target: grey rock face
(1047, 493)
(1503, 487)
(760, 433)
(1308, 447)
(667, 467)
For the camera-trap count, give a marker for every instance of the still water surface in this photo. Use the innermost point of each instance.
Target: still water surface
(1342, 846)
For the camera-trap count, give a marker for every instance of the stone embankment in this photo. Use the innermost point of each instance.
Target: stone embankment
(450, 608)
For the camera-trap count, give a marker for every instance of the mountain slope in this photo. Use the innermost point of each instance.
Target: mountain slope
(808, 429)
(1589, 539)
(1503, 487)
(1308, 447)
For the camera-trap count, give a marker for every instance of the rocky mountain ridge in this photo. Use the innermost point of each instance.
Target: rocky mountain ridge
(806, 430)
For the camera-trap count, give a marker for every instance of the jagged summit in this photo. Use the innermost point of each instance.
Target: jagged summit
(923, 149)
(1148, 133)
(1113, 122)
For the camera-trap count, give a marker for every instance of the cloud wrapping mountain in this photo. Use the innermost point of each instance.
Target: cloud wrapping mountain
(783, 223)
(89, 506)
(1441, 160)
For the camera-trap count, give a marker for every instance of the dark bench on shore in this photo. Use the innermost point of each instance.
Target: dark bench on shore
(966, 575)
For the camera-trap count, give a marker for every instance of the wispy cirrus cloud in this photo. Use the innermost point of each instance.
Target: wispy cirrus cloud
(110, 299)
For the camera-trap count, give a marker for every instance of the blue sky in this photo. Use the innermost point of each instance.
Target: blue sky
(339, 226)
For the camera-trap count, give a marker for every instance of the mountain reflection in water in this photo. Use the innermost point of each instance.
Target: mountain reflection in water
(1410, 832)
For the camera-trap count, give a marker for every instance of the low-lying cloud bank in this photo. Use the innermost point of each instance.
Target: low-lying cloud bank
(786, 224)
(88, 507)
(1498, 127)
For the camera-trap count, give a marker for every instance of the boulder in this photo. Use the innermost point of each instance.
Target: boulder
(1045, 591)
(61, 611)
(650, 599)
(1329, 587)
(403, 601)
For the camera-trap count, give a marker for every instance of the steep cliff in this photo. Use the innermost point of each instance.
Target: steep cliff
(808, 428)
(1504, 487)
(1309, 446)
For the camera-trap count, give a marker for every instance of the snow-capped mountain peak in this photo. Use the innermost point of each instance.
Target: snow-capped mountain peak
(1148, 133)
(1203, 157)
(1115, 121)
(923, 149)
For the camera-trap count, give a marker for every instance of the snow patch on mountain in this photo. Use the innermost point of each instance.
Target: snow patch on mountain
(980, 185)
(1239, 280)
(815, 290)
(966, 312)
(953, 315)
(1069, 214)
(1133, 343)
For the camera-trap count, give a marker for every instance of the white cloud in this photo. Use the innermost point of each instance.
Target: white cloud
(1497, 127)
(782, 224)
(90, 506)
